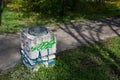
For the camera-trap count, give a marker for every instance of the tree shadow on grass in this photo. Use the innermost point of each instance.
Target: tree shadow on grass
(87, 62)
(93, 56)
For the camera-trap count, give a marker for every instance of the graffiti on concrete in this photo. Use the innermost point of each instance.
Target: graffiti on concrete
(44, 45)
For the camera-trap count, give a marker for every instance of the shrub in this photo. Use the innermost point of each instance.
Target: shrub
(15, 4)
(60, 7)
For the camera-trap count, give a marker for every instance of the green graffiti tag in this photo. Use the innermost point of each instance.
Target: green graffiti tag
(44, 45)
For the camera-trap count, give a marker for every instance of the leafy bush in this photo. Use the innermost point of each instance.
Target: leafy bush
(54, 7)
(15, 4)
(117, 3)
(62, 7)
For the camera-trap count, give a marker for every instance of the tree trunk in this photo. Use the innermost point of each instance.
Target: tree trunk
(1, 9)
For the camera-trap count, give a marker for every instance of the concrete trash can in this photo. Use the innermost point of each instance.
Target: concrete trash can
(38, 45)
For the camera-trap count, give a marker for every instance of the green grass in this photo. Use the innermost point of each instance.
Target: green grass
(15, 20)
(100, 61)
(12, 21)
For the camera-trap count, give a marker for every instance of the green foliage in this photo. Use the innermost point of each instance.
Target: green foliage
(45, 7)
(15, 4)
(117, 3)
(59, 7)
(19, 14)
